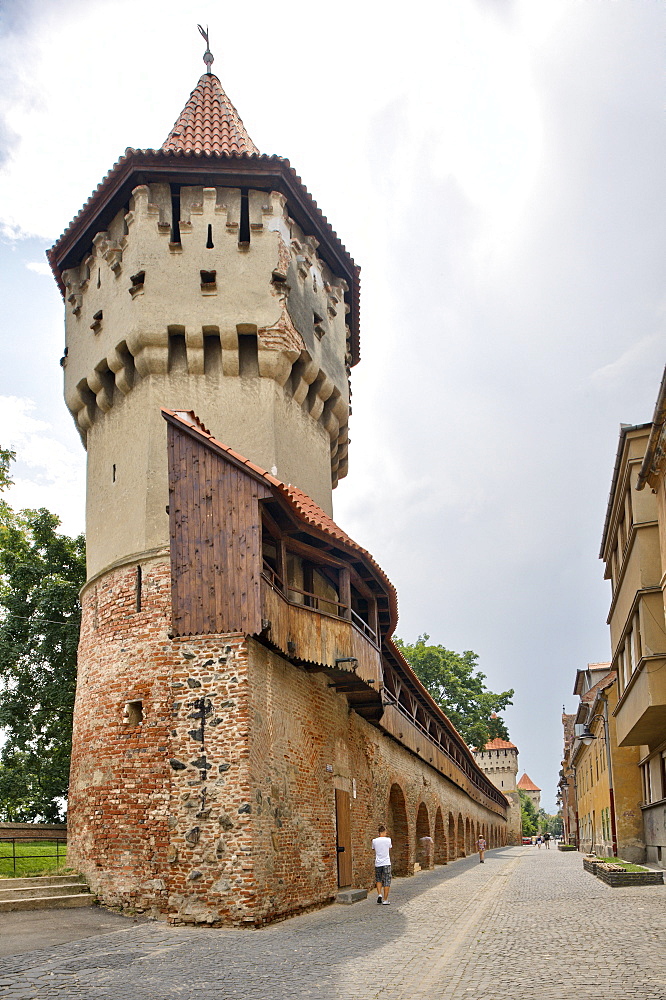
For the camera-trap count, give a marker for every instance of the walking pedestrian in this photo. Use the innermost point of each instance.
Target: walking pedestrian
(546, 841)
(481, 847)
(382, 845)
(539, 841)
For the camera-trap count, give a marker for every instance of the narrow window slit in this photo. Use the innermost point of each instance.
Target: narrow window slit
(244, 228)
(175, 213)
(113, 475)
(139, 576)
(248, 354)
(209, 241)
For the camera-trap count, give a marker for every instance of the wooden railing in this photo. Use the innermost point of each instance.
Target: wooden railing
(319, 603)
(485, 788)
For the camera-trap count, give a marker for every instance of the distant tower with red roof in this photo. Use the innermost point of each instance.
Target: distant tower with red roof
(499, 762)
(532, 791)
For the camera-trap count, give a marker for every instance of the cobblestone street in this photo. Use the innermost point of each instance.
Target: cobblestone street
(527, 924)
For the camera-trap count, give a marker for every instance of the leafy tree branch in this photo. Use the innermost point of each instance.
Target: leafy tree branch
(458, 687)
(41, 574)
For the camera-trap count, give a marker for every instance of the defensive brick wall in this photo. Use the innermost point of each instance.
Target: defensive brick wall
(217, 805)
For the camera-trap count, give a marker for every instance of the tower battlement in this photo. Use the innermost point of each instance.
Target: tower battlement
(145, 303)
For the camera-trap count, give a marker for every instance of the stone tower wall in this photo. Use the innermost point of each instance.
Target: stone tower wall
(252, 335)
(218, 804)
(501, 767)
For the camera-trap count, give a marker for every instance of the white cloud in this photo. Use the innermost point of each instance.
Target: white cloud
(630, 361)
(39, 268)
(47, 473)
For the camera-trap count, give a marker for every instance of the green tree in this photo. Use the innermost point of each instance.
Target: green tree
(41, 573)
(555, 825)
(528, 815)
(459, 689)
(6, 457)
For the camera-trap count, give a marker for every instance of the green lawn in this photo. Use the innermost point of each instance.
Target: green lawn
(45, 863)
(628, 867)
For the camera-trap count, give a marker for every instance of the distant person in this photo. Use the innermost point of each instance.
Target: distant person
(382, 845)
(546, 840)
(481, 848)
(539, 841)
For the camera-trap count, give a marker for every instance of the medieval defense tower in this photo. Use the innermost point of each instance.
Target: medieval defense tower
(237, 684)
(202, 276)
(499, 762)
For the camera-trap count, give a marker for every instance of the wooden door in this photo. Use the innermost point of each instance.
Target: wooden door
(343, 837)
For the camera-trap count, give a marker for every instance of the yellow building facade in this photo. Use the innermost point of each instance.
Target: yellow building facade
(606, 776)
(644, 700)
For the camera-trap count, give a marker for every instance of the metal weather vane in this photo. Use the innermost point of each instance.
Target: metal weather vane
(208, 55)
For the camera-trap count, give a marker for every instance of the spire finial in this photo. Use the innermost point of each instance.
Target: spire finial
(208, 55)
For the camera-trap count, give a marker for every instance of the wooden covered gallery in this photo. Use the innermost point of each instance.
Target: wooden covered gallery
(301, 725)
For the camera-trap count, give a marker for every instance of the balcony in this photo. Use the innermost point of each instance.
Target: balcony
(641, 711)
(320, 633)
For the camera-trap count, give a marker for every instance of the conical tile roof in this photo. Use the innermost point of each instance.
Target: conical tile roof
(527, 785)
(209, 123)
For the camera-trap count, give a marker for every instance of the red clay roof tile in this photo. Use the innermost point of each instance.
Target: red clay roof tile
(527, 785)
(209, 123)
(499, 744)
(304, 506)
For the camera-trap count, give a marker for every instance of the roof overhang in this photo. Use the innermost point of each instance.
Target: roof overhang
(625, 431)
(656, 447)
(270, 173)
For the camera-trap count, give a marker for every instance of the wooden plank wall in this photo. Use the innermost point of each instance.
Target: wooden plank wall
(319, 638)
(215, 531)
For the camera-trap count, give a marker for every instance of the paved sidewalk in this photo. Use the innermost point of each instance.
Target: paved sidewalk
(526, 925)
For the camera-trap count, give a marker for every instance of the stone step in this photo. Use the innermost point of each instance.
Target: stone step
(46, 902)
(351, 895)
(21, 883)
(37, 891)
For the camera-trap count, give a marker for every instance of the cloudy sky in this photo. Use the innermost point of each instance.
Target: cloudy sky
(495, 167)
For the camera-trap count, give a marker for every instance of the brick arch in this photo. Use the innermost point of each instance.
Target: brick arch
(468, 836)
(452, 838)
(460, 841)
(398, 831)
(441, 855)
(424, 844)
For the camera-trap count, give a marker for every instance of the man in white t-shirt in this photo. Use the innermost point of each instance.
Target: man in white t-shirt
(382, 845)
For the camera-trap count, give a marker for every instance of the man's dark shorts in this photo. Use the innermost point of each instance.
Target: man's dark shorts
(383, 875)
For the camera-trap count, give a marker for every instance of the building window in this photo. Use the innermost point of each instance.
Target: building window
(647, 782)
(133, 713)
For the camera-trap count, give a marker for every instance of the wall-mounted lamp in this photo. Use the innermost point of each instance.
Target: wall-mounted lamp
(587, 736)
(347, 659)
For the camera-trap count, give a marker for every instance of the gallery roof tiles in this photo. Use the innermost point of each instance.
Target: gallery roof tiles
(209, 123)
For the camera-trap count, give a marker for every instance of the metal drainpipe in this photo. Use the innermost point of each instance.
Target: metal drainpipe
(611, 794)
